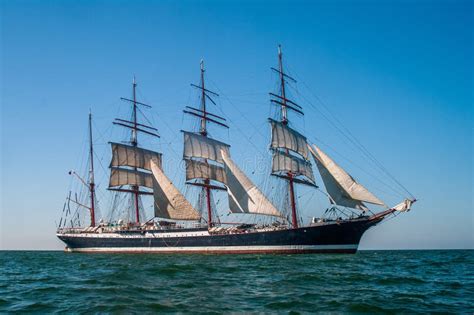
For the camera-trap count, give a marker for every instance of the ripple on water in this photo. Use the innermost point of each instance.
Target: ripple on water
(375, 281)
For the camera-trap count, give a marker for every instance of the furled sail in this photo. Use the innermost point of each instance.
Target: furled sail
(121, 176)
(126, 155)
(168, 200)
(283, 137)
(244, 196)
(287, 163)
(198, 146)
(201, 170)
(343, 189)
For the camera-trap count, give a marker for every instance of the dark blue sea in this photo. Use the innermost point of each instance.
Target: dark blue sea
(369, 281)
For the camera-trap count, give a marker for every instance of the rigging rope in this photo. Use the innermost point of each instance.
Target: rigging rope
(346, 133)
(398, 193)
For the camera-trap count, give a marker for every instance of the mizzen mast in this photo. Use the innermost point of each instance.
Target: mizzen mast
(202, 154)
(290, 153)
(128, 160)
(91, 173)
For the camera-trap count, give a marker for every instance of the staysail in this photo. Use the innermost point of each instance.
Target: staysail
(405, 205)
(169, 203)
(341, 187)
(244, 196)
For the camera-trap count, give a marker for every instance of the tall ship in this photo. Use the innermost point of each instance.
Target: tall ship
(178, 225)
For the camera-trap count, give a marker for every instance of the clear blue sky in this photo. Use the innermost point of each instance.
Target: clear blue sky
(398, 74)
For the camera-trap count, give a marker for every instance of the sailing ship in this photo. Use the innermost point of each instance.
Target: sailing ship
(179, 227)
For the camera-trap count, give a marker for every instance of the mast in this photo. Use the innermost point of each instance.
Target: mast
(135, 143)
(294, 218)
(203, 114)
(203, 102)
(91, 172)
(133, 156)
(204, 133)
(284, 120)
(290, 157)
(134, 118)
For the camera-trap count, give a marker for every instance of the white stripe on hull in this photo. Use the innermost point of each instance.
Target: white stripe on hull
(138, 235)
(221, 249)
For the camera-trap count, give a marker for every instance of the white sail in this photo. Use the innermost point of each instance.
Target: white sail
(199, 146)
(244, 196)
(200, 170)
(126, 155)
(120, 177)
(283, 162)
(286, 138)
(337, 195)
(403, 206)
(343, 189)
(168, 200)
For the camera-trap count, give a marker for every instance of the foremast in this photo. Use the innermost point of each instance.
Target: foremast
(290, 153)
(202, 154)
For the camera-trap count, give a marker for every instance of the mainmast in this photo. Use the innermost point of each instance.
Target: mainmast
(91, 172)
(290, 159)
(204, 170)
(128, 160)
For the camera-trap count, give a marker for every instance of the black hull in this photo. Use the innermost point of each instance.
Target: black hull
(341, 237)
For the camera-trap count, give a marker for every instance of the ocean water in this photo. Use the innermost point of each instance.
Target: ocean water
(369, 281)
